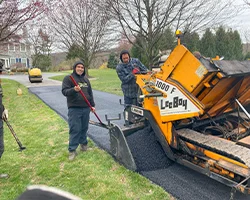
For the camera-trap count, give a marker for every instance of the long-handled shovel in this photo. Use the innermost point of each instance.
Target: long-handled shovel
(87, 101)
(21, 147)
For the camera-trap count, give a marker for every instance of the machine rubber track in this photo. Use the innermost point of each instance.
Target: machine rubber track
(218, 145)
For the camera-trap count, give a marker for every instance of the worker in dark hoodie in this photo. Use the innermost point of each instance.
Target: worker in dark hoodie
(3, 116)
(78, 109)
(126, 71)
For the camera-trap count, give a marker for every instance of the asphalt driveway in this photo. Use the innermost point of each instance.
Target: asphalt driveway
(182, 182)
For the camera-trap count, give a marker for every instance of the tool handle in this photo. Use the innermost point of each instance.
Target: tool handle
(21, 147)
(86, 100)
(75, 83)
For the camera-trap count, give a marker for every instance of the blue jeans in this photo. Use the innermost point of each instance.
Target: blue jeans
(78, 119)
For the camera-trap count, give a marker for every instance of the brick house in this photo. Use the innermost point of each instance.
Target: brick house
(15, 53)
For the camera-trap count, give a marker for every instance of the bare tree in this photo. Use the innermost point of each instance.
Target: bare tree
(81, 23)
(147, 19)
(246, 33)
(14, 14)
(247, 2)
(42, 46)
(123, 43)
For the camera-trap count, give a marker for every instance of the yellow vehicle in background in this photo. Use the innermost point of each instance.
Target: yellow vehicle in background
(35, 75)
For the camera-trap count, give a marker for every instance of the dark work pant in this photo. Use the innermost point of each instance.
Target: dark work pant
(1, 138)
(78, 119)
(130, 101)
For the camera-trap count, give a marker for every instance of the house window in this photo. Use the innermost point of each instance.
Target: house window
(11, 47)
(24, 62)
(18, 60)
(12, 61)
(22, 47)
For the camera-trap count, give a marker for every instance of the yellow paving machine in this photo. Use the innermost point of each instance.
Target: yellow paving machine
(198, 109)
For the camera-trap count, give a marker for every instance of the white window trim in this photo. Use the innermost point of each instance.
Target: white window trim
(11, 49)
(22, 59)
(13, 59)
(24, 62)
(25, 49)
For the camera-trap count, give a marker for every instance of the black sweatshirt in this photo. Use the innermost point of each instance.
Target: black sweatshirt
(75, 99)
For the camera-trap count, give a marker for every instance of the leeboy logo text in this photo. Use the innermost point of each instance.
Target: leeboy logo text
(174, 104)
(175, 101)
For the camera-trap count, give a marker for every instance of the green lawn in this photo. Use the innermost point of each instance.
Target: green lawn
(102, 79)
(93, 175)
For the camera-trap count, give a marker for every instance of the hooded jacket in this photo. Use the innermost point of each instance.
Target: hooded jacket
(128, 79)
(124, 52)
(75, 99)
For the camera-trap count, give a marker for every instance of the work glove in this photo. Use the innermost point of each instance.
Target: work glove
(5, 114)
(135, 70)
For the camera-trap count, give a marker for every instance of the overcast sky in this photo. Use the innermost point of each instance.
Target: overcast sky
(242, 21)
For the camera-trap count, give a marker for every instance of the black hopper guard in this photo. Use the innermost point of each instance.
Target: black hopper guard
(118, 144)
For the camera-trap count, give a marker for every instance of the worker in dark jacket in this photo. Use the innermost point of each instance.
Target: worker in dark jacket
(3, 115)
(126, 71)
(78, 109)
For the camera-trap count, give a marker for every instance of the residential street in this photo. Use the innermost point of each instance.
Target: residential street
(182, 182)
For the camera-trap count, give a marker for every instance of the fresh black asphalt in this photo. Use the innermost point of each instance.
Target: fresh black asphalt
(181, 182)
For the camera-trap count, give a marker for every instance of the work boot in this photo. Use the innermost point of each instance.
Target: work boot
(72, 155)
(2, 176)
(83, 147)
